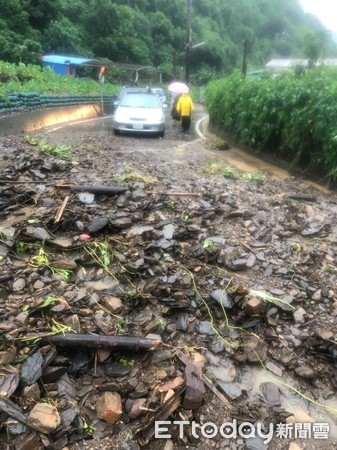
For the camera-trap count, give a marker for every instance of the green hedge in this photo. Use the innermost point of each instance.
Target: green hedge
(295, 116)
(27, 101)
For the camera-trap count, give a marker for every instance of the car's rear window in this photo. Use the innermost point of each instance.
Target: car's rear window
(127, 90)
(158, 91)
(140, 101)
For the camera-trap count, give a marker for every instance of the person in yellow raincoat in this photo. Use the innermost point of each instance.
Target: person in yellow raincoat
(184, 108)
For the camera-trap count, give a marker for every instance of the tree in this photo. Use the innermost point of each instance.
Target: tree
(14, 48)
(63, 36)
(314, 47)
(14, 16)
(42, 12)
(19, 42)
(153, 32)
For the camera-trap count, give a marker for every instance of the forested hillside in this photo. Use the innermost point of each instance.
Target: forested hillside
(154, 32)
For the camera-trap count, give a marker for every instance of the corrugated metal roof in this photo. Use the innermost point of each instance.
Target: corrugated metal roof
(63, 59)
(289, 63)
(285, 63)
(330, 62)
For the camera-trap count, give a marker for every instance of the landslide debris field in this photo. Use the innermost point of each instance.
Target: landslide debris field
(145, 280)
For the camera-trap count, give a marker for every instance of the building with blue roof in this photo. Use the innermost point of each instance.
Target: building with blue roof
(66, 65)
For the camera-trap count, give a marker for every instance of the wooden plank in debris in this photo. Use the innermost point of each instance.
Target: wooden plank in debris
(211, 386)
(145, 433)
(194, 385)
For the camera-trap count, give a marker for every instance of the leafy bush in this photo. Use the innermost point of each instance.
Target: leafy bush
(293, 115)
(32, 78)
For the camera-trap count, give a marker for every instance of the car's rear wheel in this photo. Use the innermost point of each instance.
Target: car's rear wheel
(116, 132)
(162, 134)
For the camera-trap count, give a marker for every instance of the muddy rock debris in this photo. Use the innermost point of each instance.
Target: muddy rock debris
(143, 287)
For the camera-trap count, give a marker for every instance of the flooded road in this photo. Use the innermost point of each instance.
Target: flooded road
(178, 141)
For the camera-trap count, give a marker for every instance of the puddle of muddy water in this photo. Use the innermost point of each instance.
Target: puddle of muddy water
(20, 216)
(245, 162)
(290, 401)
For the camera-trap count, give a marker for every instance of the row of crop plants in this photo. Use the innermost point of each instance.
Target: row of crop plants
(292, 115)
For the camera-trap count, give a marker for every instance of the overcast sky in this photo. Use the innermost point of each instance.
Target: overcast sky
(325, 10)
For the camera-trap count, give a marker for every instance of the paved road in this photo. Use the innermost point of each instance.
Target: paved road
(175, 140)
(173, 129)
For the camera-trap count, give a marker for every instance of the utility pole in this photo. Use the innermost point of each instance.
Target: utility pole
(188, 41)
(175, 64)
(244, 61)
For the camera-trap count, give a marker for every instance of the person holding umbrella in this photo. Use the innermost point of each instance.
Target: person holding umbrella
(184, 108)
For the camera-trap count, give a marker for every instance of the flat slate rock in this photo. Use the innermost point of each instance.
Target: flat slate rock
(271, 393)
(232, 390)
(223, 298)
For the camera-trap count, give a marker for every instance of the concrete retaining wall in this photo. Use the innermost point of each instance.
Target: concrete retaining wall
(34, 120)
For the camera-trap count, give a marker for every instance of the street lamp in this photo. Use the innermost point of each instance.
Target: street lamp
(187, 61)
(198, 45)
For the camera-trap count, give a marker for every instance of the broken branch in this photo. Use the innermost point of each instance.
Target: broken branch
(20, 182)
(102, 190)
(306, 198)
(61, 209)
(99, 341)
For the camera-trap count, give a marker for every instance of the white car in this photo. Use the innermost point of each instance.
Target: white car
(161, 95)
(139, 112)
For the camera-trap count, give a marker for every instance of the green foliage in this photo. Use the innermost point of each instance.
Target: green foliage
(253, 176)
(213, 168)
(64, 35)
(21, 248)
(153, 32)
(41, 260)
(88, 428)
(19, 42)
(57, 327)
(63, 151)
(42, 12)
(126, 362)
(229, 172)
(208, 245)
(122, 325)
(49, 301)
(314, 47)
(31, 78)
(100, 252)
(295, 116)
